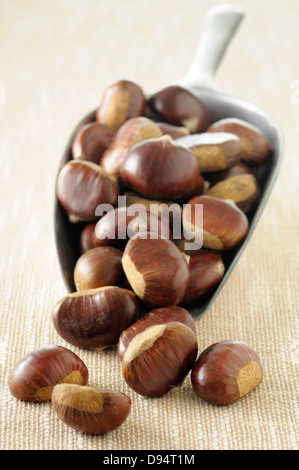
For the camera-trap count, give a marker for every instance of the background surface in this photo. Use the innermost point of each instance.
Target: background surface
(56, 58)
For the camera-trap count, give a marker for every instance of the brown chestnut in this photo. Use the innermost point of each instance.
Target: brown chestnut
(82, 186)
(132, 132)
(156, 269)
(34, 375)
(244, 190)
(159, 358)
(239, 168)
(91, 141)
(177, 105)
(206, 271)
(158, 316)
(89, 409)
(94, 319)
(198, 189)
(86, 238)
(223, 225)
(160, 169)
(255, 145)
(225, 372)
(119, 225)
(101, 266)
(214, 151)
(122, 100)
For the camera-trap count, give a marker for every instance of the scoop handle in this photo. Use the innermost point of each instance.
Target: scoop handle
(219, 26)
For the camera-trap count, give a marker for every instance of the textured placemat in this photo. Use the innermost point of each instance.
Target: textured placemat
(56, 57)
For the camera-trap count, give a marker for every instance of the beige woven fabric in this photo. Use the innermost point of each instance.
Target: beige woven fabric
(56, 58)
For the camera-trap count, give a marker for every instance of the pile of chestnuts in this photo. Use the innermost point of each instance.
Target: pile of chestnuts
(164, 157)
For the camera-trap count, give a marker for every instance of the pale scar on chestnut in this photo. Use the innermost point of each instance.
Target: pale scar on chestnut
(134, 276)
(93, 404)
(44, 393)
(143, 341)
(249, 377)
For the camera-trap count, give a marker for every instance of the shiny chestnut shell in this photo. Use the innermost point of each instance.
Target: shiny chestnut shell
(223, 226)
(34, 375)
(158, 316)
(89, 409)
(206, 271)
(254, 144)
(82, 186)
(132, 132)
(91, 141)
(177, 105)
(156, 270)
(94, 319)
(225, 372)
(99, 267)
(86, 237)
(121, 100)
(160, 169)
(159, 358)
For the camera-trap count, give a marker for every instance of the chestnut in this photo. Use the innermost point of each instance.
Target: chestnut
(254, 144)
(98, 267)
(177, 105)
(160, 169)
(198, 189)
(223, 227)
(95, 318)
(90, 410)
(119, 225)
(34, 375)
(239, 168)
(159, 358)
(243, 189)
(121, 101)
(225, 372)
(214, 151)
(82, 186)
(86, 238)
(132, 132)
(206, 271)
(156, 269)
(91, 141)
(158, 316)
